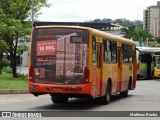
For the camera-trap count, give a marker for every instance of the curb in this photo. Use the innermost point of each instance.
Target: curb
(14, 91)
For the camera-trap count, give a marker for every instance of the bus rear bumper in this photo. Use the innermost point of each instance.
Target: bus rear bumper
(73, 90)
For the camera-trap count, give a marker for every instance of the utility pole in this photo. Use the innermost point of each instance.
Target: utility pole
(32, 12)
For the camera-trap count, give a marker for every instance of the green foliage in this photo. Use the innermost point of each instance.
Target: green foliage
(23, 76)
(158, 40)
(13, 25)
(22, 48)
(141, 35)
(8, 82)
(128, 31)
(121, 21)
(7, 70)
(5, 63)
(3, 46)
(137, 33)
(153, 45)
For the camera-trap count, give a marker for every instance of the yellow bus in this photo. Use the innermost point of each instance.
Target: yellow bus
(147, 61)
(75, 61)
(156, 65)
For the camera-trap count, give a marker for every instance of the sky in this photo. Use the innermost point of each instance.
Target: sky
(86, 10)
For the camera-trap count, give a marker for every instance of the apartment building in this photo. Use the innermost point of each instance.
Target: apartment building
(152, 19)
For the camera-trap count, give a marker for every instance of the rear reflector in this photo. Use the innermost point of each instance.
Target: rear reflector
(31, 74)
(86, 76)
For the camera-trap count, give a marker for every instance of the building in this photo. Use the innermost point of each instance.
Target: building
(157, 27)
(152, 19)
(22, 58)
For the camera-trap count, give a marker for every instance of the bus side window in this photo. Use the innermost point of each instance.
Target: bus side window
(114, 52)
(107, 51)
(94, 49)
(127, 54)
(130, 54)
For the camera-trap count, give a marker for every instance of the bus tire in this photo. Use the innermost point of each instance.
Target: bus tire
(59, 99)
(106, 99)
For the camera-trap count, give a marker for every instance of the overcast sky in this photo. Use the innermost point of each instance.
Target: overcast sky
(85, 10)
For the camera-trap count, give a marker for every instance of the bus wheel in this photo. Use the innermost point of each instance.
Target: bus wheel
(59, 99)
(106, 99)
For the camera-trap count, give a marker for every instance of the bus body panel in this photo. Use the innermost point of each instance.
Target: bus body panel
(128, 72)
(60, 89)
(156, 72)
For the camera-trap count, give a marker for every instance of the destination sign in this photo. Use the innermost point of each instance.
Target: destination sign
(76, 39)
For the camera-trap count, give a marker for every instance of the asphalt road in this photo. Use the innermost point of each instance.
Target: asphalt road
(146, 97)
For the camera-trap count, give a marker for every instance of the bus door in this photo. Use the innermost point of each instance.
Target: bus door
(119, 80)
(99, 67)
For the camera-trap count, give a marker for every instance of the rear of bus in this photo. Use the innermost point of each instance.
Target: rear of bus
(59, 63)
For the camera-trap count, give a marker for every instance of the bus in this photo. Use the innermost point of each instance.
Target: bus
(156, 65)
(80, 62)
(145, 62)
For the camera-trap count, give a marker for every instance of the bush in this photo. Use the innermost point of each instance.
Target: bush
(7, 70)
(5, 63)
(22, 76)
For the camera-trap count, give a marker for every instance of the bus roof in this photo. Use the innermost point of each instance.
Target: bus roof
(148, 49)
(99, 26)
(95, 31)
(113, 37)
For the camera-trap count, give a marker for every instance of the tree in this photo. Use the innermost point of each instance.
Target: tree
(107, 20)
(97, 21)
(13, 16)
(157, 39)
(5, 63)
(3, 47)
(128, 31)
(138, 23)
(141, 35)
(136, 33)
(1, 56)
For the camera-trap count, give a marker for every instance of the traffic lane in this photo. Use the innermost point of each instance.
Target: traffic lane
(29, 102)
(43, 103)
(146, 97)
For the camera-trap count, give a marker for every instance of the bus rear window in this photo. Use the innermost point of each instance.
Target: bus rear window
(59, 55)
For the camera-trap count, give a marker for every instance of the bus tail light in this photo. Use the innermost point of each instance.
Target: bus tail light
(86, 76)
(31, 74)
